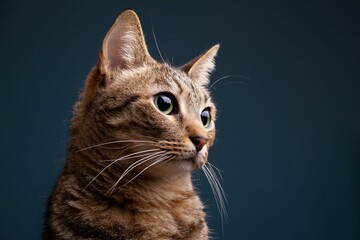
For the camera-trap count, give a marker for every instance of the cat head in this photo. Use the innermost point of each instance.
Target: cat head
(138, 109)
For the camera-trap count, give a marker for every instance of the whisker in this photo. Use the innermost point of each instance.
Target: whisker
(218, 183)
(223, 195)
(215, 193)
(207, 175)
(133, 166)
(121, 158)
(217, 169)
(156, 43)
(126, 147)
(166, 157)
(137, 163)
(230, 76)
(117, 141)
(126, 157)
(218, 191)
(234, 82)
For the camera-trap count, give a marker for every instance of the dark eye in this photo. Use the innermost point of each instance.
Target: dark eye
(206, 117)
(165, 103)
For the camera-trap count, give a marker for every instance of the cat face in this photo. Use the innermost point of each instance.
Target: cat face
(164, 106)
(149, 116)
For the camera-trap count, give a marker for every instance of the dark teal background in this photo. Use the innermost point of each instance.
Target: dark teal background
(288, 139)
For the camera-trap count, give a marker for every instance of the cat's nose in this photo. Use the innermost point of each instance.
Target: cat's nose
(199, 141)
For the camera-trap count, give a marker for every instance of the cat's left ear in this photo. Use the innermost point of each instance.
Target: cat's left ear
(200, 68)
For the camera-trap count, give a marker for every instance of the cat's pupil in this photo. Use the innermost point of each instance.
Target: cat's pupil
(206, 117)
(164, 104)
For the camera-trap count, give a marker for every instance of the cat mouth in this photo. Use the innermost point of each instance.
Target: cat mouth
(197, 160)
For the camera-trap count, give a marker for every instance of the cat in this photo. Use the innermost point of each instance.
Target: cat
(139, 129)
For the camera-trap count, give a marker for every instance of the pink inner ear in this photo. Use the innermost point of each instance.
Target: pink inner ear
(124, 45)
(115, 54)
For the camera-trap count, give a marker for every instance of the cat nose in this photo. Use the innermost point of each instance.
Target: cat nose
(199, 141)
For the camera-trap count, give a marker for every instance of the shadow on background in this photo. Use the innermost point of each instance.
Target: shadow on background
(288, 139)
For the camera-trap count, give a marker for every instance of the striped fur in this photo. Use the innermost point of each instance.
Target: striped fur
(128, 169)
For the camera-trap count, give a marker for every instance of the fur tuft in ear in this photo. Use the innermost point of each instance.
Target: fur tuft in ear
(124, 45)
(200, 68)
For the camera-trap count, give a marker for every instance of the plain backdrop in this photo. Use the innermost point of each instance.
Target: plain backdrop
(288, 132)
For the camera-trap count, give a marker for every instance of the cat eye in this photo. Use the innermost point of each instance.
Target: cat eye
(206, 117)
(165, 102)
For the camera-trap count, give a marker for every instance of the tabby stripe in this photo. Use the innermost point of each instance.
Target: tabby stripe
(86, 231)
(124, 105)
(179, 86)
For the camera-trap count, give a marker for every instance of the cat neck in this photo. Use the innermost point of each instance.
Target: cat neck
(159, 207)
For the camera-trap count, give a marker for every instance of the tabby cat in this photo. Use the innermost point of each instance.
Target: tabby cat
(139, 129)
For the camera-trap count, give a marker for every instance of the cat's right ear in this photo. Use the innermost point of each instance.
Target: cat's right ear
(124, 45)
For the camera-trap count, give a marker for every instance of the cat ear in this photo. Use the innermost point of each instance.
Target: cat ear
(124, 45)
(199, 69)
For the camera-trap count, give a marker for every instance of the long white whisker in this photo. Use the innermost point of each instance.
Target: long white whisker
(137, 163)
(217, 169)
(117, 141)
(163, 158)
(230, 76)
(223, 195)
(207, 175)
(218, 191)
(132, 155)
(233, 82)
(133, 166)
(221, 191)
(216, 194)
(126, 146)
(157, 46)
(126, 157)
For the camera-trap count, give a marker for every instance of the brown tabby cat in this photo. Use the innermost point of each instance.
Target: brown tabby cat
(139, 129)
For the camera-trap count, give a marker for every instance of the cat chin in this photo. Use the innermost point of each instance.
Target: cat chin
(178, 166)
(194, 162)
